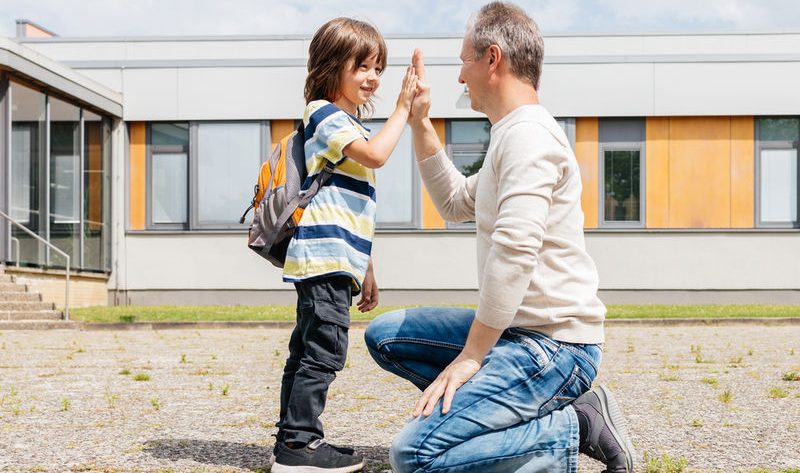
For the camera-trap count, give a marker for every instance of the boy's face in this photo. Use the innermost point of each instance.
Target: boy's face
(358, 83)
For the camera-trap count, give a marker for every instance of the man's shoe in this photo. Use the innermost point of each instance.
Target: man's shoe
(316, 457)
(606, 438)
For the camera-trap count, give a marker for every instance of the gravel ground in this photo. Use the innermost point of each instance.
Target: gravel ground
(207, 400)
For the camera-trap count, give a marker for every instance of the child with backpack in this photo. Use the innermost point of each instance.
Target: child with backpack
(328, 258)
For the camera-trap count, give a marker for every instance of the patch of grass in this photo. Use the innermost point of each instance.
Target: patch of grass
(664, 464)
(713, 382)
(154, 402)
(226, 389)
(668, 377)
(111, 399)
(287, 312)
(777, 392)
(141, 377)
(183, 357)
(791, 376)
(125, 372)
(65, 404)
(696, 422)
(726, 396)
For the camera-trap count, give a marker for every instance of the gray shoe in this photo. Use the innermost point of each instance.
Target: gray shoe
(607, 437)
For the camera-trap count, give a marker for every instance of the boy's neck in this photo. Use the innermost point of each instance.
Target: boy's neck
(347, 106)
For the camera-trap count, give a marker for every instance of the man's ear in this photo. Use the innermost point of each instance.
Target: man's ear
(494, 55)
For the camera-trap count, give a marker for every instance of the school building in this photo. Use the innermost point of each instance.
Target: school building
(136, 156)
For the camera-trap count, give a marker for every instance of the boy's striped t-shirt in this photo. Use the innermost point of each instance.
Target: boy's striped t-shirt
(334, 236)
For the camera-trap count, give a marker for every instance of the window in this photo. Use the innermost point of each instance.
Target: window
(776, 172)
(622, 172)
(201, 174)
(59, 181)
(467, 144)
(396, 184)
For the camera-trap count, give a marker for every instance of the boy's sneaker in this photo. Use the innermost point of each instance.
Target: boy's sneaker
(316, 457)
(606, 437)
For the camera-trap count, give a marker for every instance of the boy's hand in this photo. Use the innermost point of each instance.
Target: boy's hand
(369, 291)
(407, 90)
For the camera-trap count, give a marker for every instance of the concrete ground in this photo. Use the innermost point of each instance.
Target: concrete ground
(206, 400)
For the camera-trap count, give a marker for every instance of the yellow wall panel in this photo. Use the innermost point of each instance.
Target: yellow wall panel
(587, 153)
(657, 173)
(742, 172)
(138, 175)
(430, 216)
(699, 172)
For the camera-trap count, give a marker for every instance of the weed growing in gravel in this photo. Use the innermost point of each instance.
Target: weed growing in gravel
(226, 389)
(154, 402)
(668, 377)
(183, 357)
(210, 386)
(726, 396)
(736, 362)
(141, 377)
(777, 392)
(277, 353)
(696, 422)
(111, 399)
(65, 403)
(125, 372)
(791, 376)
(664, 464)
(791, 352)
(713, 382)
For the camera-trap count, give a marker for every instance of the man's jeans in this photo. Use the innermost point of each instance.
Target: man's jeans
(317, 350)
(512, 416)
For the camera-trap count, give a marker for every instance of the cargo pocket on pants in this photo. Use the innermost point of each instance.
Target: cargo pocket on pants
(328, 342)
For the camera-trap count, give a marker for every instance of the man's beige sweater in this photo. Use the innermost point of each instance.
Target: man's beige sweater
(533, 269)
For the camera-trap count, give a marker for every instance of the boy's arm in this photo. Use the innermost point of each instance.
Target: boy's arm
(375, 152)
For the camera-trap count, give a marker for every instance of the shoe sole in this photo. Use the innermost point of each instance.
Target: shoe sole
(616, 423)
(278, 468)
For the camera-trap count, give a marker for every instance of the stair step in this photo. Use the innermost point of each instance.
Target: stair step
(20, 297)
(12, 287)
(24, 305)
(31, 315)
(37, 324)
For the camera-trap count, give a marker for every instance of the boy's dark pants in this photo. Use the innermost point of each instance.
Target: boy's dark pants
(317, 350)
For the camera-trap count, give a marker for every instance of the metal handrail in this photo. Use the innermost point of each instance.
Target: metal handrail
(52, 246)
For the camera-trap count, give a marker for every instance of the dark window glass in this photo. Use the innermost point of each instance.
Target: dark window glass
(779, 129)
(622, 186)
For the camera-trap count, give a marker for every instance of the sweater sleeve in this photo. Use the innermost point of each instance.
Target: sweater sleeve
(451, 192)
(527, 169)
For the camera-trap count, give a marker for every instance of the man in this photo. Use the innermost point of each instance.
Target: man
(506, 386)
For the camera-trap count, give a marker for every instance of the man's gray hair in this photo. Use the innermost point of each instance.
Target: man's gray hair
(515, 33)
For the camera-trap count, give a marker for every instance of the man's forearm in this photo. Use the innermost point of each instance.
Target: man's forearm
(480, 341)
(426, 140)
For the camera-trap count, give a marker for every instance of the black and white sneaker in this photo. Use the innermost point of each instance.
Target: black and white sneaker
(316, 457)
(606, 436)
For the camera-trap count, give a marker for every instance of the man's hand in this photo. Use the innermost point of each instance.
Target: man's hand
(369, 291)
(445, 385)
(422, 101)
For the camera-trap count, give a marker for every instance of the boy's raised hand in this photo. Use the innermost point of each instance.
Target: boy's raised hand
(408, 89)
(422, 101)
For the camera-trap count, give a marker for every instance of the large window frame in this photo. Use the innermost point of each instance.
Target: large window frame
(621, 134)
(415, 191)
(191, 150)
(46, 208)
(780, 145)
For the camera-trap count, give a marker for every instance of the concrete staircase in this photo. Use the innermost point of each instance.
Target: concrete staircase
(19, 304)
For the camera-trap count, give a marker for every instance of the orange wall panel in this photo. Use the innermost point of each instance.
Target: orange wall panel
(587, 153)
(742, 172)
(138, 175)
(699, 172)
(431, 219)
(279, 129)
(657, 172)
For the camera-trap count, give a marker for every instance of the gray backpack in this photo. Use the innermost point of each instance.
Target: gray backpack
(279, 201)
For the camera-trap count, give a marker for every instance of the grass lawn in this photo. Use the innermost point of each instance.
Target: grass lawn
(285, 312)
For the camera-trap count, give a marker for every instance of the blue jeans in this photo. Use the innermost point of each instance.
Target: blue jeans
(514, 415)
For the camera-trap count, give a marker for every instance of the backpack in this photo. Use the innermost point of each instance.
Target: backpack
(279, 202)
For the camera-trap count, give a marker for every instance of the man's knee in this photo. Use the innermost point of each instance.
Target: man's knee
(382, 328)
(402, 455)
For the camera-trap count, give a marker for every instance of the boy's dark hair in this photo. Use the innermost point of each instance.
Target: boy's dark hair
(333, 45)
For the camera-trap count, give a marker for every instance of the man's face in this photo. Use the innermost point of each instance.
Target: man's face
(473, 74)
